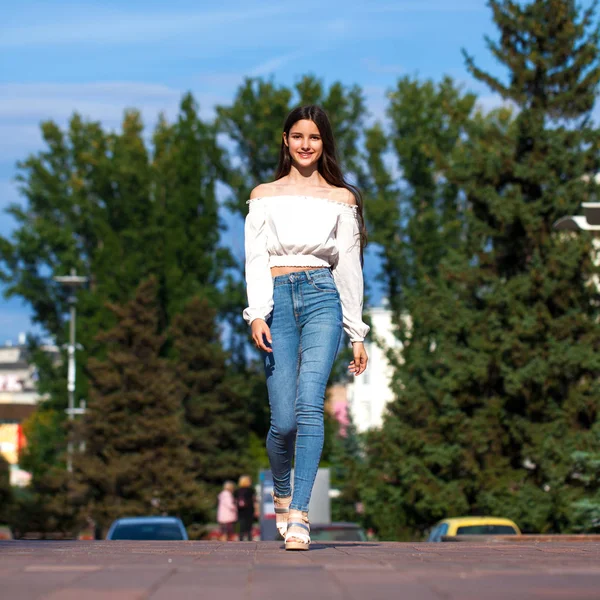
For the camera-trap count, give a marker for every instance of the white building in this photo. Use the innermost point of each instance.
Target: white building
(369, 394)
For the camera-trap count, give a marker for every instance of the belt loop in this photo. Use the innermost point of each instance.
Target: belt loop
(308, 275)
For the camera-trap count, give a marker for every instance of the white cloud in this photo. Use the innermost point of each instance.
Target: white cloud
(104, 101)
(99, 88)
(109, 26)
(420, 6)
(23, 106)
(374, 66)
(273, 64)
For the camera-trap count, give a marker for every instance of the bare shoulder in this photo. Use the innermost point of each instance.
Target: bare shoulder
(263, 190)
(345, 196)
(259, 191)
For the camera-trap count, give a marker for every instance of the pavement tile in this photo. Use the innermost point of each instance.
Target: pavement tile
(378, 585)
(521, 587)
(108, 579)
(299, 583)
(211, 583)
(85, 594)
(82, 570)
(24, 585)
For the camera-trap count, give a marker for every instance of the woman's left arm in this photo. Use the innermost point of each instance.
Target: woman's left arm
(348, 276)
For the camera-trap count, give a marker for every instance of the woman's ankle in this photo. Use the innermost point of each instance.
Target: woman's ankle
(278, 497)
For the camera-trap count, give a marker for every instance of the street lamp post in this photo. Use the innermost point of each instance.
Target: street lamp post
(71, 281)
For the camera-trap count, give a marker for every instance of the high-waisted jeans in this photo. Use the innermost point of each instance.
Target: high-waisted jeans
(306, 327)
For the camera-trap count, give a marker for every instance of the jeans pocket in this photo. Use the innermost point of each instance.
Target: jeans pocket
(324, 285)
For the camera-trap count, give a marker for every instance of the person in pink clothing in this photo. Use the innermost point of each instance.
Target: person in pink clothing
(227, 510)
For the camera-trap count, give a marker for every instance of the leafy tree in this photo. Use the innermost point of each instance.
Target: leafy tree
(215, 399)
(500, 383)
(117, 211)
(136, 459)
(188, 164)
(414, 219)
(45, 441)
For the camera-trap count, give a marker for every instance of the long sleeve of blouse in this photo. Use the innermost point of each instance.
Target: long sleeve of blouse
(348, 276)
(259, 283)
(304, 231)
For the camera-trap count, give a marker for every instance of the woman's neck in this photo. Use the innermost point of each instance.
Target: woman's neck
(305, 177)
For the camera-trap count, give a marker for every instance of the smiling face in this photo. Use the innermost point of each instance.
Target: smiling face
(304, 143)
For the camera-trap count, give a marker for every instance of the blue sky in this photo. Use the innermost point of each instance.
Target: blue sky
(101, 57)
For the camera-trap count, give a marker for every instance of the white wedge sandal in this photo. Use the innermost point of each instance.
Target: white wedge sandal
(298, 531)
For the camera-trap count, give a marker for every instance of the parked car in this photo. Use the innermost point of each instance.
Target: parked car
(147, 528)
(337, 532)
(473, 526)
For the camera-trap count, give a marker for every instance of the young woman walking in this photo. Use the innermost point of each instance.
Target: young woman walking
(304, 236)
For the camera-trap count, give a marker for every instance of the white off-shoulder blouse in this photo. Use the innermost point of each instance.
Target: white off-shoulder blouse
(304, 231)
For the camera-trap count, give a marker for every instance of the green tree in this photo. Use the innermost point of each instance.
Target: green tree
(500, 383)
(45, 440)
(187, 165)
(136, 459)
(413, 219)
(347, 464)
(585, 512)
(215, 399)
(116, 210)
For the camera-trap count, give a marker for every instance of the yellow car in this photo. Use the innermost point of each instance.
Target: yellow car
(473, 526)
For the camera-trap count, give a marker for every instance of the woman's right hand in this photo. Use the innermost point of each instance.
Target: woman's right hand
(260, 332)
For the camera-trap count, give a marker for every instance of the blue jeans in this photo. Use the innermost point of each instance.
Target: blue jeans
(306, 327)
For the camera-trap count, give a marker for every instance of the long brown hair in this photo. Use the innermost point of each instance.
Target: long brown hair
(328, 166)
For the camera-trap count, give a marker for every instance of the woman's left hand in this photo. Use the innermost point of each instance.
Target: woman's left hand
(359, 364)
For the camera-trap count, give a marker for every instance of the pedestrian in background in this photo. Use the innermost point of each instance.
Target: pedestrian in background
(246, 500)
(227, 511)
(304, 237)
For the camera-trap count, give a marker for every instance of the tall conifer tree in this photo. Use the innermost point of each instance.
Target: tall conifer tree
(215, 399)
(501, 381)
(136, 459)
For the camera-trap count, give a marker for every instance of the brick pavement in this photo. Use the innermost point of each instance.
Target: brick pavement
(82, 570)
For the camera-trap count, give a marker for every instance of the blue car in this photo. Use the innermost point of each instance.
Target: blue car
(147, 528)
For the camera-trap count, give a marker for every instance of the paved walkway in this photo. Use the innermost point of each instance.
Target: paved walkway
(81, 570)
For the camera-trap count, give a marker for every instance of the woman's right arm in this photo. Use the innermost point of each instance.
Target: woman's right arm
(259, 284)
